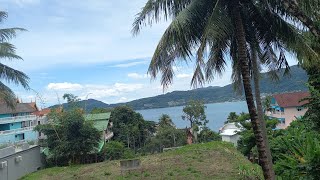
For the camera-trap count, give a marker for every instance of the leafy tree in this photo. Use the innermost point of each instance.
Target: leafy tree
(233, 117)
(166, 137)
(207, 135)
(69, 137)
(130, 128)
(8, 74)
(116, 150)
(194, 112)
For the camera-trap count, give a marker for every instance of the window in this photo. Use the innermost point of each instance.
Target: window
(282, 120)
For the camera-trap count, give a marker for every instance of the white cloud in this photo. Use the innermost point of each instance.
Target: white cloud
(130, 64)
(65, 86)
(183, 75)
(138, 76)
(22, 3)
(127, 87)
(123, 99)
(95, 91)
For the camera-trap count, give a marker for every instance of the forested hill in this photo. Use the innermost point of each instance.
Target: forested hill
(296, 81)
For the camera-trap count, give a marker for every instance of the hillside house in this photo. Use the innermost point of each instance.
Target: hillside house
(17, 124)
(229, 133)
(287, 107)
(102, 123)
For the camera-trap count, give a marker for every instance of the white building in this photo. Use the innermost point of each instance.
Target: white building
(229, 132)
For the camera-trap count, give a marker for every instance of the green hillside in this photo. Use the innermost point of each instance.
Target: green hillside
(293, 82)
(215, 160)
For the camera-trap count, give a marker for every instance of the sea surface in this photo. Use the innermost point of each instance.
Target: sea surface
(216, 113)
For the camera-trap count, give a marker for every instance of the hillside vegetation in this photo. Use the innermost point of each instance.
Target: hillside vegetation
(214, 160)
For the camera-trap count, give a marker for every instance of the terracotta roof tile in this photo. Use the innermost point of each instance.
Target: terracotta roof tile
(291, 99)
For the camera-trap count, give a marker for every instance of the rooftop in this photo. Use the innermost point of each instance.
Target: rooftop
(19, 107)
(291, 99)
(100, 120)
(231, 129)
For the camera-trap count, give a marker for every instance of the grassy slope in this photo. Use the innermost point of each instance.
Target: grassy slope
(215, 160)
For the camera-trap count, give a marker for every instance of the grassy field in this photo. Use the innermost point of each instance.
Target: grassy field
(215, 160)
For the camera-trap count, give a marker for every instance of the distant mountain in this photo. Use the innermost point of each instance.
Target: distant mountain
(294, 82)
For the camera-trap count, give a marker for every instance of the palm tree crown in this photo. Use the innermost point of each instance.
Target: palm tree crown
(8, 74)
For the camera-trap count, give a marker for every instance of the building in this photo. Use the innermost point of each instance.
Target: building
(17, 124)
(287, 107)
(102, 123)
(19, 160)
(229, 133)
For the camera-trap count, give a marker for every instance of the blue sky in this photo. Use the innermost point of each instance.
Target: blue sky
(86, 48)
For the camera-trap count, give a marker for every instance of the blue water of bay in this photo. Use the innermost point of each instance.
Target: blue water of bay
(216, 113)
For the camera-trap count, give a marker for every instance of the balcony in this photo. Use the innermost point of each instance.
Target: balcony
(17, 119)
(16, 131)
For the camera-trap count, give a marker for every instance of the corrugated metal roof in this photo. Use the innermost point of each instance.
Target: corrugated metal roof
(100, 121)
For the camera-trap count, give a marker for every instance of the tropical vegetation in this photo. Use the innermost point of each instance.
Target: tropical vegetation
(243, 30)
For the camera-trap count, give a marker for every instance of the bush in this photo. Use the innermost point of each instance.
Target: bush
(116, 150)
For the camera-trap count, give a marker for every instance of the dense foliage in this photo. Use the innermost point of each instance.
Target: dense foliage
(69, 137)
(130, 128)
(116, 150)
(246, 144)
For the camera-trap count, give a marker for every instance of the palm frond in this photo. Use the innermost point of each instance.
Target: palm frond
(9, 33)
(3, 16)
(179, 40)
(154, 9)
(13, 76)
(7, 95)
(8, 51)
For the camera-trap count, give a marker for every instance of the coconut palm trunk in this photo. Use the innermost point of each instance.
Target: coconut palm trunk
(256, 126)
(293, 8)
(256, 80)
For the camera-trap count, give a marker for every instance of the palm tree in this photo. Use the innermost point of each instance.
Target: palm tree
(216, 29)
(165, 120)
(8, 74)
(233, 117)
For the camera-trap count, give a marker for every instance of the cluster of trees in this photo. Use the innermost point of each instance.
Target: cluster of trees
(251, 33)
(141, 136)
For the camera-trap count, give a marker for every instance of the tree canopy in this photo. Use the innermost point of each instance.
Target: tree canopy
(69, 137)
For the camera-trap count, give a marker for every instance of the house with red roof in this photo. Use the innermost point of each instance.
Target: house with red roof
(287, 107)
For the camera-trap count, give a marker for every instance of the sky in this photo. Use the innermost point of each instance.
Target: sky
(86, 48)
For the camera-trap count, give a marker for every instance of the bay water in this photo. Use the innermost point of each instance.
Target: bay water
(216, 113)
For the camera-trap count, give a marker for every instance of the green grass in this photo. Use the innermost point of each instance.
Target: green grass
(215, 160)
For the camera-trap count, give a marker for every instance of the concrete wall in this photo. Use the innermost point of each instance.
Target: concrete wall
(30, 162)
(233, 139)
(29, 135)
